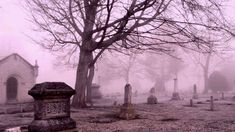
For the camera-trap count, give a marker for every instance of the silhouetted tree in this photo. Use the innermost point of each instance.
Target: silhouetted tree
(84, 29)
(217, 82)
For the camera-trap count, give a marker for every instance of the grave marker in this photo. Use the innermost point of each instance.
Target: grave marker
(51, 107)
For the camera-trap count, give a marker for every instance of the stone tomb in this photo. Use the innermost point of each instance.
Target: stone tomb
(51, 107)
(127, 110)
(17, 76)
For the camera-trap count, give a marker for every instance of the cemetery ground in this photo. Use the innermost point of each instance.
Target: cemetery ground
(166, 116)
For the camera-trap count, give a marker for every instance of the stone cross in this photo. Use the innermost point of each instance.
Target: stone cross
(127, 94)
(212, 104)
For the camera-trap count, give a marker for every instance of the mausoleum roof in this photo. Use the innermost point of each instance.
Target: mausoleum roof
(4, 58)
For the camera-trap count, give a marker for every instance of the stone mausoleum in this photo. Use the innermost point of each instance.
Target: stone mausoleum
(17, 76)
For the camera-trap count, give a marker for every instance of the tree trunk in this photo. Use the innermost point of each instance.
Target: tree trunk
(205, 81)
(79, 99)
(206, 72)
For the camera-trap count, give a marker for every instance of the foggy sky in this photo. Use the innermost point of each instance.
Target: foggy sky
(14, 28)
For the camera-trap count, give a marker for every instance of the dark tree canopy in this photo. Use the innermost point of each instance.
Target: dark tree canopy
(218, 82)
(84, 29)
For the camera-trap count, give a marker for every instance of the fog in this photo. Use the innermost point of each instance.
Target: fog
(15, 29)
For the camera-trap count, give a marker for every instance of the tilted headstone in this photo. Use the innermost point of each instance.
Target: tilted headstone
(51, 107)
(152, 99)
(127, 110)
(195, 95)
(211, 103)
(175, 95)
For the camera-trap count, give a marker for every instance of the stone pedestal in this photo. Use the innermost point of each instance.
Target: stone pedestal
(175, 96)
(127, 110)
(152, 99)
(51, 107)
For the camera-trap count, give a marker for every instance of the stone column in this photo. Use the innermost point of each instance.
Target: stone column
(195, 95)
(127, 94)
(127, 110)
(51, 107)
(175, 95)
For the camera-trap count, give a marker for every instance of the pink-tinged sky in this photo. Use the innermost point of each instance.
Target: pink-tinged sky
(14, 28)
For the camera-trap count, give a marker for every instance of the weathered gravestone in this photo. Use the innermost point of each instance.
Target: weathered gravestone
(51, 107)
(222, 96)
(195, 95)
(211, 103)
(191, 103)
(127, 109)
(152, 99)
(175, 95)
(95, 92)
(152, 91)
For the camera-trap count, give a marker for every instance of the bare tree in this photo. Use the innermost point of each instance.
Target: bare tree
(117, 65)
(204, 60)
(86, 27)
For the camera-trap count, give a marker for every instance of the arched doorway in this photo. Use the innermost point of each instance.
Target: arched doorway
(12, 85)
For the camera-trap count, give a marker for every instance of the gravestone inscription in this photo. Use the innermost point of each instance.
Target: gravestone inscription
(51, 107)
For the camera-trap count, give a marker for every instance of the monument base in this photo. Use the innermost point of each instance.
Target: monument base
(175, 96)
(52, 125)
(127, 112)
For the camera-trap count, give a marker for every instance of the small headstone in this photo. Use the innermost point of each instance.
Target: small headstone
(233, 98)
(212, 103)
(175, 96)
(195, 95)
(152, 91)
(222, 95)
(95, 91)
(191, 102)
(51, 107)
(127, 110)
(152, 99)
(115, 103)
